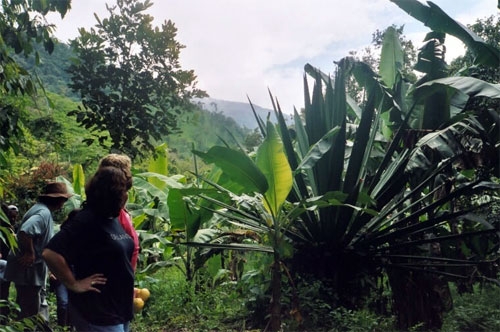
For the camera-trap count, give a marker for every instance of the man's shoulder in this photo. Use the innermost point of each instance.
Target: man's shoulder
(38, 209)
(37, 212)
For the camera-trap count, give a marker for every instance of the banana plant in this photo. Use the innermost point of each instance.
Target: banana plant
(440, 103)
(266, 183)
(166, 214)
(438, 108)
(260, 204)
(362, 203)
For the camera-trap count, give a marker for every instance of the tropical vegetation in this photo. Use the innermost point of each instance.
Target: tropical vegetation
(377, 209)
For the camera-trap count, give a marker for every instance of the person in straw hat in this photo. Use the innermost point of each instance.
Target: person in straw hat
(25, 266)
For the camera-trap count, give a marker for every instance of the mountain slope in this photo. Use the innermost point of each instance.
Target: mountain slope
(240, 112)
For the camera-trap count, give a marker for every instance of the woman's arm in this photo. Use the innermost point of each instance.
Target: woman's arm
(60, 268)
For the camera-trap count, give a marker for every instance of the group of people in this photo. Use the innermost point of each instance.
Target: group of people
(92, 257)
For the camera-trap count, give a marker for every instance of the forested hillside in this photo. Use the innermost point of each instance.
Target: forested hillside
(197, 127)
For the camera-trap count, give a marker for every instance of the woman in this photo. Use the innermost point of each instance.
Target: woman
(125, 164)
(98, 250)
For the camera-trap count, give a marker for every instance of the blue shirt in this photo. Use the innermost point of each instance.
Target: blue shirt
(39, 225)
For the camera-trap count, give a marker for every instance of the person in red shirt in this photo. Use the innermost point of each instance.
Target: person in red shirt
(124, 163)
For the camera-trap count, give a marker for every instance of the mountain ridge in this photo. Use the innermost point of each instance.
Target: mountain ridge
(240, 112)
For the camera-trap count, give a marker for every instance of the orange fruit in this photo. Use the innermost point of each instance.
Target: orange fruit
(138, 304)
(144, 294)
(136, 292)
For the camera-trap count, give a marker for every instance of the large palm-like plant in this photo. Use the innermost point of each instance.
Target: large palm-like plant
(343, 239)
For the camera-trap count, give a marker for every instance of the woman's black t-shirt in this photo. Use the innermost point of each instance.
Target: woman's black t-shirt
(93, 244)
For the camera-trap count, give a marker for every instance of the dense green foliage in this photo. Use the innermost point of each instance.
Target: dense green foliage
(176, 303)
(475, 311)
(22, 26)
(378, 205)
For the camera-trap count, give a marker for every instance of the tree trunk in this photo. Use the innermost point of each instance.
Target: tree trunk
(419, 298)
(275, 322)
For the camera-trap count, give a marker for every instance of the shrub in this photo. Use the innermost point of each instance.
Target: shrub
(320, 311)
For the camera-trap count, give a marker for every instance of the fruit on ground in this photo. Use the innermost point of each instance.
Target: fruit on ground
(144, 294)
(138, 304)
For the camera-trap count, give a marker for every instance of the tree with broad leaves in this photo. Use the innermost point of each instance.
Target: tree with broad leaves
(128, 75)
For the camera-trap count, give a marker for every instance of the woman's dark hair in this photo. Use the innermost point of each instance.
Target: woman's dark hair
(106, 191)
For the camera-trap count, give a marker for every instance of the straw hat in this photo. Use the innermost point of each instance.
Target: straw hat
(55, 189)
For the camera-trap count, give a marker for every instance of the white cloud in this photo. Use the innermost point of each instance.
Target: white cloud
(244, 47)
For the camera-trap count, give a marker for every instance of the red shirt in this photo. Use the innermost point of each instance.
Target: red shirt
(126, 223)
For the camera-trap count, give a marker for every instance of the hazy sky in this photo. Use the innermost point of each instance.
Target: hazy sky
(245, 47)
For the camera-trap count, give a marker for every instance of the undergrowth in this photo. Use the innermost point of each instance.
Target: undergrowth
(477, 311)
(177, 305)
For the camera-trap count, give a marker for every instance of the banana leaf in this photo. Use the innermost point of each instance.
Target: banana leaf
(437, 20)
(470, 86)
(273, 163)
(391, 57)
(79, 180)
(238, 166)
(317, 150)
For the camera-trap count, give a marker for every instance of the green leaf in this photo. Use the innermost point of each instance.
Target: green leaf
(471, 86)
(272, 161)
(237, 166)
(361, 146)
(391, 58)
(141, 184)
(233, 246)
(159, 164)
(162, 182)
(181, 216)
(318, 150)
(78, 180)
